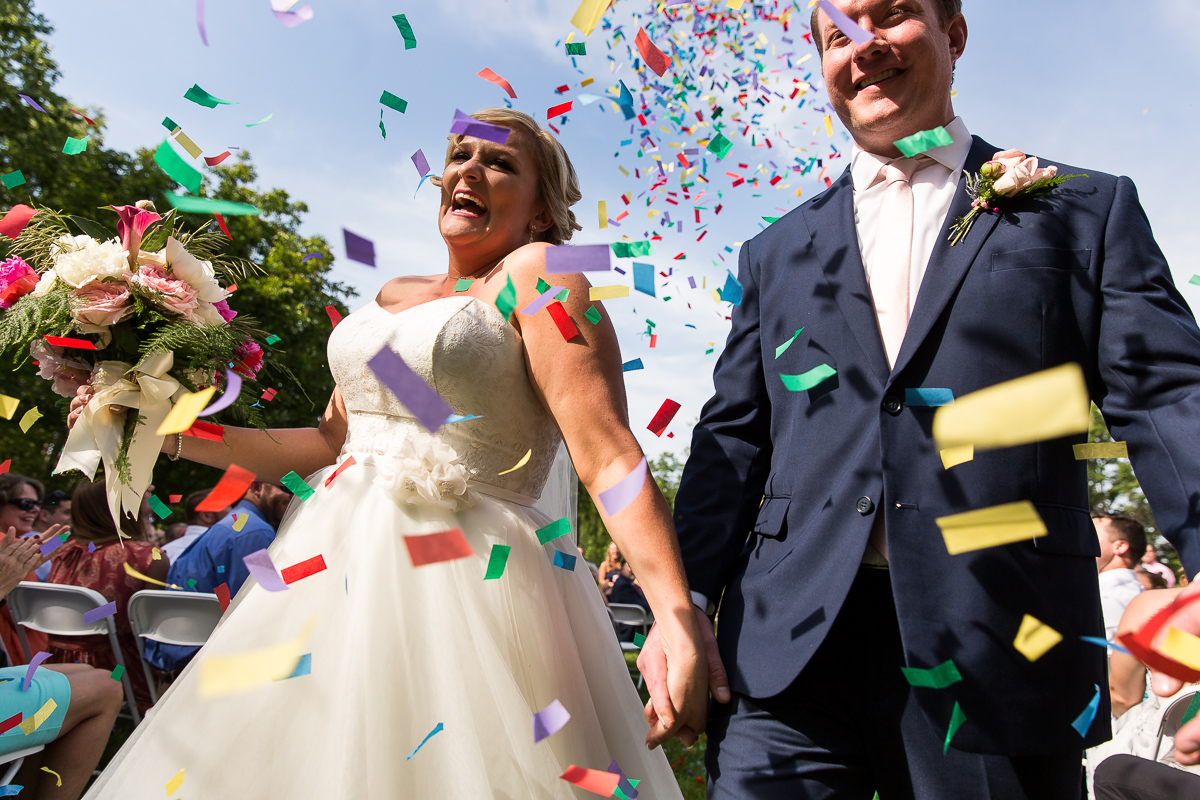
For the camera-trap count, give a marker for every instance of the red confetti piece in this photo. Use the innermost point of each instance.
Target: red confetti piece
(5, 466)
(206, 430)
(214, 160)
(10, 723)
(224, 228)
(86, 118)
(432, 548)
(341, 468)
(563, 88)
(488, 75)
(592, 780)
(302, 570)
(66, 341)
(16, 219)
(174, 498)
(563, 320)
(229, 489)
(663, 417)
(558, 110)
(654, 340)
(654, 58)
(222, 593)
(334, 315)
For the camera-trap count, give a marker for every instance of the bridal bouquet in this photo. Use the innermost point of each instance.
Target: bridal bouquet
(141, 315)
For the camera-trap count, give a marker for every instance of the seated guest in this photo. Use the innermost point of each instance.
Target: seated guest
(1149, 580)
(20, 503)
(86, 700)
(1150, 563)
(625, 591)
(101, 567)
(1122, 545)
(610, 568)
(173, 532)
(56, 510)
(197, 523)
(216, 558)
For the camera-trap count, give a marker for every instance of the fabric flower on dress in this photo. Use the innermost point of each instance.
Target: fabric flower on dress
(423, 470)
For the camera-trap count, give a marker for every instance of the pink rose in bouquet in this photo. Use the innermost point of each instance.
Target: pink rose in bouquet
(17, 279)
(248, 358)
(102, 303)
(67, 374)
(167, 291)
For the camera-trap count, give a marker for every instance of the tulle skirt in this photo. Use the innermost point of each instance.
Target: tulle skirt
(397, 650)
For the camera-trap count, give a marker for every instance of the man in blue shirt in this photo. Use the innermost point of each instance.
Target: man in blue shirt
(216, 558)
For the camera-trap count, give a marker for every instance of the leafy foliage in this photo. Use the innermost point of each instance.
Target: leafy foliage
(593, 536)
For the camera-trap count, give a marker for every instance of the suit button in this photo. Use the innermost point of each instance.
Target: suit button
(865, 506)
(892, 405)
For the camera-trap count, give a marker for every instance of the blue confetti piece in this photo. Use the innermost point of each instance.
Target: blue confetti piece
(458, 418)
(303, 667)
(10, 789)
(221, 568)
(1084, 720)
(732, 291)
(630, 366)
(1096, 640)
(643, 278)
(928, 397)
(426, 739)
(563, 560)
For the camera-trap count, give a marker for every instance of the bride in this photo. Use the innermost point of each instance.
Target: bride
(398, 651)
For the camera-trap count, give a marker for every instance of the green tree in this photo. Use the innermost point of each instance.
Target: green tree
(593, 536)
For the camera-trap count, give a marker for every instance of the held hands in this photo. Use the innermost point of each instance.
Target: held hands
(1187, 741)
(678, 687)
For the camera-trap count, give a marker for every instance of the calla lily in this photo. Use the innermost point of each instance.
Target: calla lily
(132, 223)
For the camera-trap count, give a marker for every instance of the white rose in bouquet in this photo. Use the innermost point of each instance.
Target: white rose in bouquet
(79, 260)
(199, 274)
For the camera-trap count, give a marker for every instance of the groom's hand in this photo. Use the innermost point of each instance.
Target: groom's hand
(1187, 740)
(660, 714)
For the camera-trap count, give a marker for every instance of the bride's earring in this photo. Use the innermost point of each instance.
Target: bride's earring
(532, 229)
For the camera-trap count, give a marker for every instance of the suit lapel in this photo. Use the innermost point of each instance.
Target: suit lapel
(948, 265)
(830, 221)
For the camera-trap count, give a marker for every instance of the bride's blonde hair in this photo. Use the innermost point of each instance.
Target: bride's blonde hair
(558, 187)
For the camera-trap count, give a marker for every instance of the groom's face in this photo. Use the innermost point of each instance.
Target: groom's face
(898, 83)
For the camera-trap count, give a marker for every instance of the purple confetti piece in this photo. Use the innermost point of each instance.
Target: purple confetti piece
(293, 18)
(543, 301)
(233, 387)
(32, 102)
(692, 282)
(469, 126)
(91, 547)
(312, 255)
(262, 568)
(106, 610)
(200, 21)
(624, 491)
(50, 546)
(359, 249)
(421, 163)
(624, 785)
(846, 25)
(549, 721)
(422, 401)
(33, 665)
(578, 258)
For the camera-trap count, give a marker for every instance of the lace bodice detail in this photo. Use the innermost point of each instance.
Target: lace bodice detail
(469, 353)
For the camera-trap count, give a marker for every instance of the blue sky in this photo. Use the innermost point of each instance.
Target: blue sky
(1094, 84)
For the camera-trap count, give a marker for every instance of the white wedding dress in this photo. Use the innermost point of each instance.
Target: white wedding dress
(396, 649)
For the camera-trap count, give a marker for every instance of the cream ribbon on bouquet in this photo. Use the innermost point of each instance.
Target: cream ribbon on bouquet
(97, 433)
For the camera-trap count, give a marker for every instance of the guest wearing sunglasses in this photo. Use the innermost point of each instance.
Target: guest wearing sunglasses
(20, 505)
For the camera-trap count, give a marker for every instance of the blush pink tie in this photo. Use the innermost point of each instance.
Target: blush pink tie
(891, 266)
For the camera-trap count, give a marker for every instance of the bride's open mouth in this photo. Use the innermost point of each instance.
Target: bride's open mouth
(465, 203)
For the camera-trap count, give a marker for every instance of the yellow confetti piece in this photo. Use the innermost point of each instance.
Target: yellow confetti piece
(990, 527)
(735, 4)
(174, 784)
(33, 723)
(1101, 450)
(1035, 638)
(8, 406)
(588, 14)
(587, 81)
(187, 144)
(524, 460)
(607, 292)
(828, 125)
(1182, 646)
(226, 675)
(953, 456)
(31, 416)
(185, 411)
(240, 522)
(1044, 405)
(135, 574)
(602, 210)
(716, 296)
(155, 555)
(55, 774)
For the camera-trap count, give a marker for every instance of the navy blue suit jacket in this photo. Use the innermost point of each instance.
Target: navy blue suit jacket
(768, 509)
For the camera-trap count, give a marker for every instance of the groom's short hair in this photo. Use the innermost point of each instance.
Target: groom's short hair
(945, 8)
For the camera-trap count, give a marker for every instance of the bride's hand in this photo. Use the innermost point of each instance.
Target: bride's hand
(679, 669)
(83, 396)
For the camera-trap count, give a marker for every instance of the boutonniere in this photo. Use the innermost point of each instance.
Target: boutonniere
(1009, 174)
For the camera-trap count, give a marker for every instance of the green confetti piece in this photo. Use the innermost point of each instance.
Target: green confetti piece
(807, 380)
(720, 146)
(639, 639)
(392, 101)
(542, 287)
(298, 485)
(272, 339)
(462, 284)
(170, 124)
(506, 301)
(161, 509)
(62, 537)
(267, 118)
(176, 168)
(923, 140)
(74, 147)
(496, 561)
(1192, 709)
(631, 249)
(382, 130)
(783, 347)
(117, 672)
(593, 315)
(13, 179)
(554, 530)
(201, 97)
(191, 583)
(207, 205)
(410, 39)
(939, 677)
(957, 718)
(577, 48)
(1195, 281)
(771, 220)
(563, 295)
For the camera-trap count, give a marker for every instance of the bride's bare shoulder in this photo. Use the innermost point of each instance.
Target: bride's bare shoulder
(397, 291)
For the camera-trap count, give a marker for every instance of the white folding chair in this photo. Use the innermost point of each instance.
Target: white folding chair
(1172, 720)
(183, 618)
(635, 616)
(13, 761)
(57, 609)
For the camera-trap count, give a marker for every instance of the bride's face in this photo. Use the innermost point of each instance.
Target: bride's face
(489, 198)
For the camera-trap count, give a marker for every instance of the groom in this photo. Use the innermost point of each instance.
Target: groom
(807, 518)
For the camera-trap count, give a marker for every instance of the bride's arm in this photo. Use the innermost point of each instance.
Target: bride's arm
(269, 454)
(581, 383)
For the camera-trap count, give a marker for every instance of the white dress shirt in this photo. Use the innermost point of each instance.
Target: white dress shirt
(174, 549)
(1117, 588)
